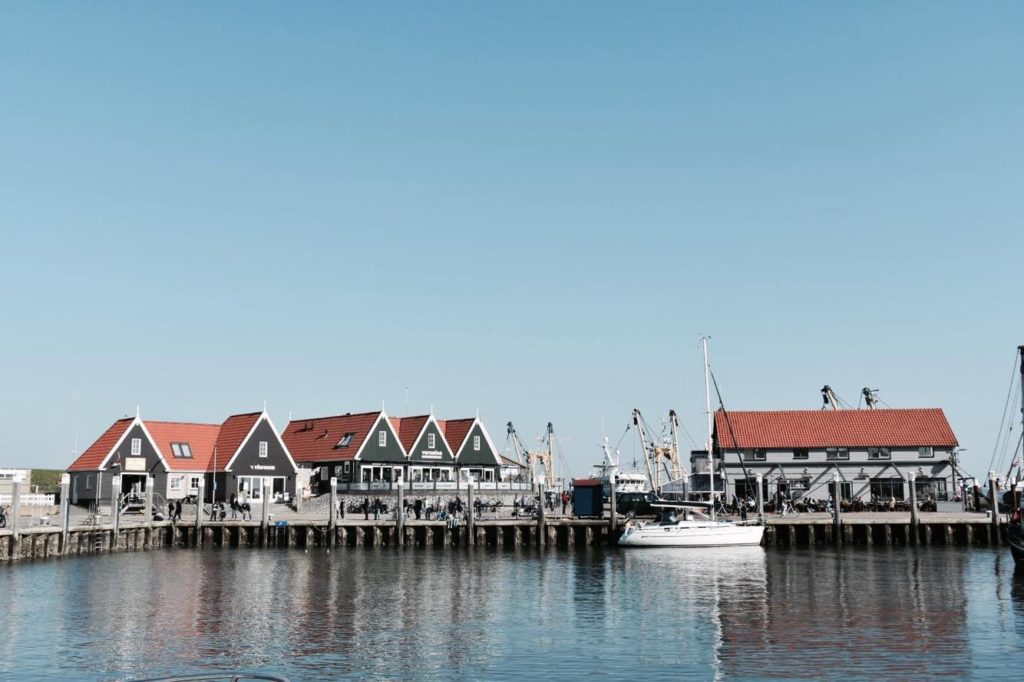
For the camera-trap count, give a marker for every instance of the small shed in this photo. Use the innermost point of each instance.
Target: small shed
(588, 497)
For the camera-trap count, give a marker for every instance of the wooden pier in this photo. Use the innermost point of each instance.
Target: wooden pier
(46, 542)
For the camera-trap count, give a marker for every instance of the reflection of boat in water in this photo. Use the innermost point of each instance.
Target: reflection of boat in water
(688, 525)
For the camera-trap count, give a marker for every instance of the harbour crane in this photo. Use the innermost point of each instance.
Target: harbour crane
(663, 457)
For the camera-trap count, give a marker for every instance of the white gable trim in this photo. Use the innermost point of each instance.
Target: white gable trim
(487, 438)
(120, 441)
(263, 416)
(373, 432)
(423, 431)
(231, 460)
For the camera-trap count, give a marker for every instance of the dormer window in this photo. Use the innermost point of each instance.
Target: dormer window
(181, 450)
(346, 440)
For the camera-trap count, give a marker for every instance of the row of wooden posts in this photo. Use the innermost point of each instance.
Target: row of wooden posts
(538, 532)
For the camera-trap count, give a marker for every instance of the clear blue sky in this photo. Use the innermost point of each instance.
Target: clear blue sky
(533, 209)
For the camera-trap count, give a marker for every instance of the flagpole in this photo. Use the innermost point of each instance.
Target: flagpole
(213, 488)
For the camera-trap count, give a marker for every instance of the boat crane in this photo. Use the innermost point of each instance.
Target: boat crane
(830, 401)
(660, 457)
(534, 460)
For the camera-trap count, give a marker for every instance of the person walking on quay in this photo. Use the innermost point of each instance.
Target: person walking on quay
(341, 507)
(234, 506)
(565, 501)
(376, 509)
(417, 508)
(176, 516)
(366, 508)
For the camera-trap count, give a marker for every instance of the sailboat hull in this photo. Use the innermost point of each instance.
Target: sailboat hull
(688, 534)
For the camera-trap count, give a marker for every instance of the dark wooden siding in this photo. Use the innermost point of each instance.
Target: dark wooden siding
(421, 452)
(390, 453)
(485, 456)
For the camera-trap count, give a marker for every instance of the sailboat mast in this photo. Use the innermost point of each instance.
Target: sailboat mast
(707, 394)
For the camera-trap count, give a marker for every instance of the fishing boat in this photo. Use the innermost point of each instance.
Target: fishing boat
(1015, 526)
(690, 523)
(625, 481)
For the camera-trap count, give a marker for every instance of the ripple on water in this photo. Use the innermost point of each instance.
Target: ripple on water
(425, 614)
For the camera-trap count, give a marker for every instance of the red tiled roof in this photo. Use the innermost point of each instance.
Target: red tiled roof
(234, 429)
(200, 439)
(455, 432)
(91, 459)
(408, 428)
(314, 440)
(834, 428)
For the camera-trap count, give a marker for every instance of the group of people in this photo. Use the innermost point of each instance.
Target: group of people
(240, 505)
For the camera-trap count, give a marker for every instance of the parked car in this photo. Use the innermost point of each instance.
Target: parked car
(635, 504)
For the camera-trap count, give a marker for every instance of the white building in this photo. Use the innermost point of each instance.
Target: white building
(875, 453)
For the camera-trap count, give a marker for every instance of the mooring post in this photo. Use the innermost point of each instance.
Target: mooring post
(332, 519)
(615, 519)
(149, 502)
(914, 520)
(760, 498)
(115, 508)
(541, 524)
(837, 515)
(993, 498)
(400, 511)
(16, 515)
(199, 512)
(65, 511)
(265, 516)
(470, 515)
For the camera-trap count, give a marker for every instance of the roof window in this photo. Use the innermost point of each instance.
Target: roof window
(181, 450)
(346, 440)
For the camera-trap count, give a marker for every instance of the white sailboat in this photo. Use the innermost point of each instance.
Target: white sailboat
(688, 523)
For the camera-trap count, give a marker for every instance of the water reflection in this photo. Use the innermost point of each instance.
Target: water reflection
(741, 613)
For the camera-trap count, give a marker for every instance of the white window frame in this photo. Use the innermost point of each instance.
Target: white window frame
(264, 449)
(174, 482)
(926, 452)
(193, 482)
(431, 442)
(136, 447)
(382, 438)
(88, 482)
(476, 443)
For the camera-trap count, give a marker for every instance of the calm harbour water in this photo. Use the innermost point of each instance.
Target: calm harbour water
(500, 614)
